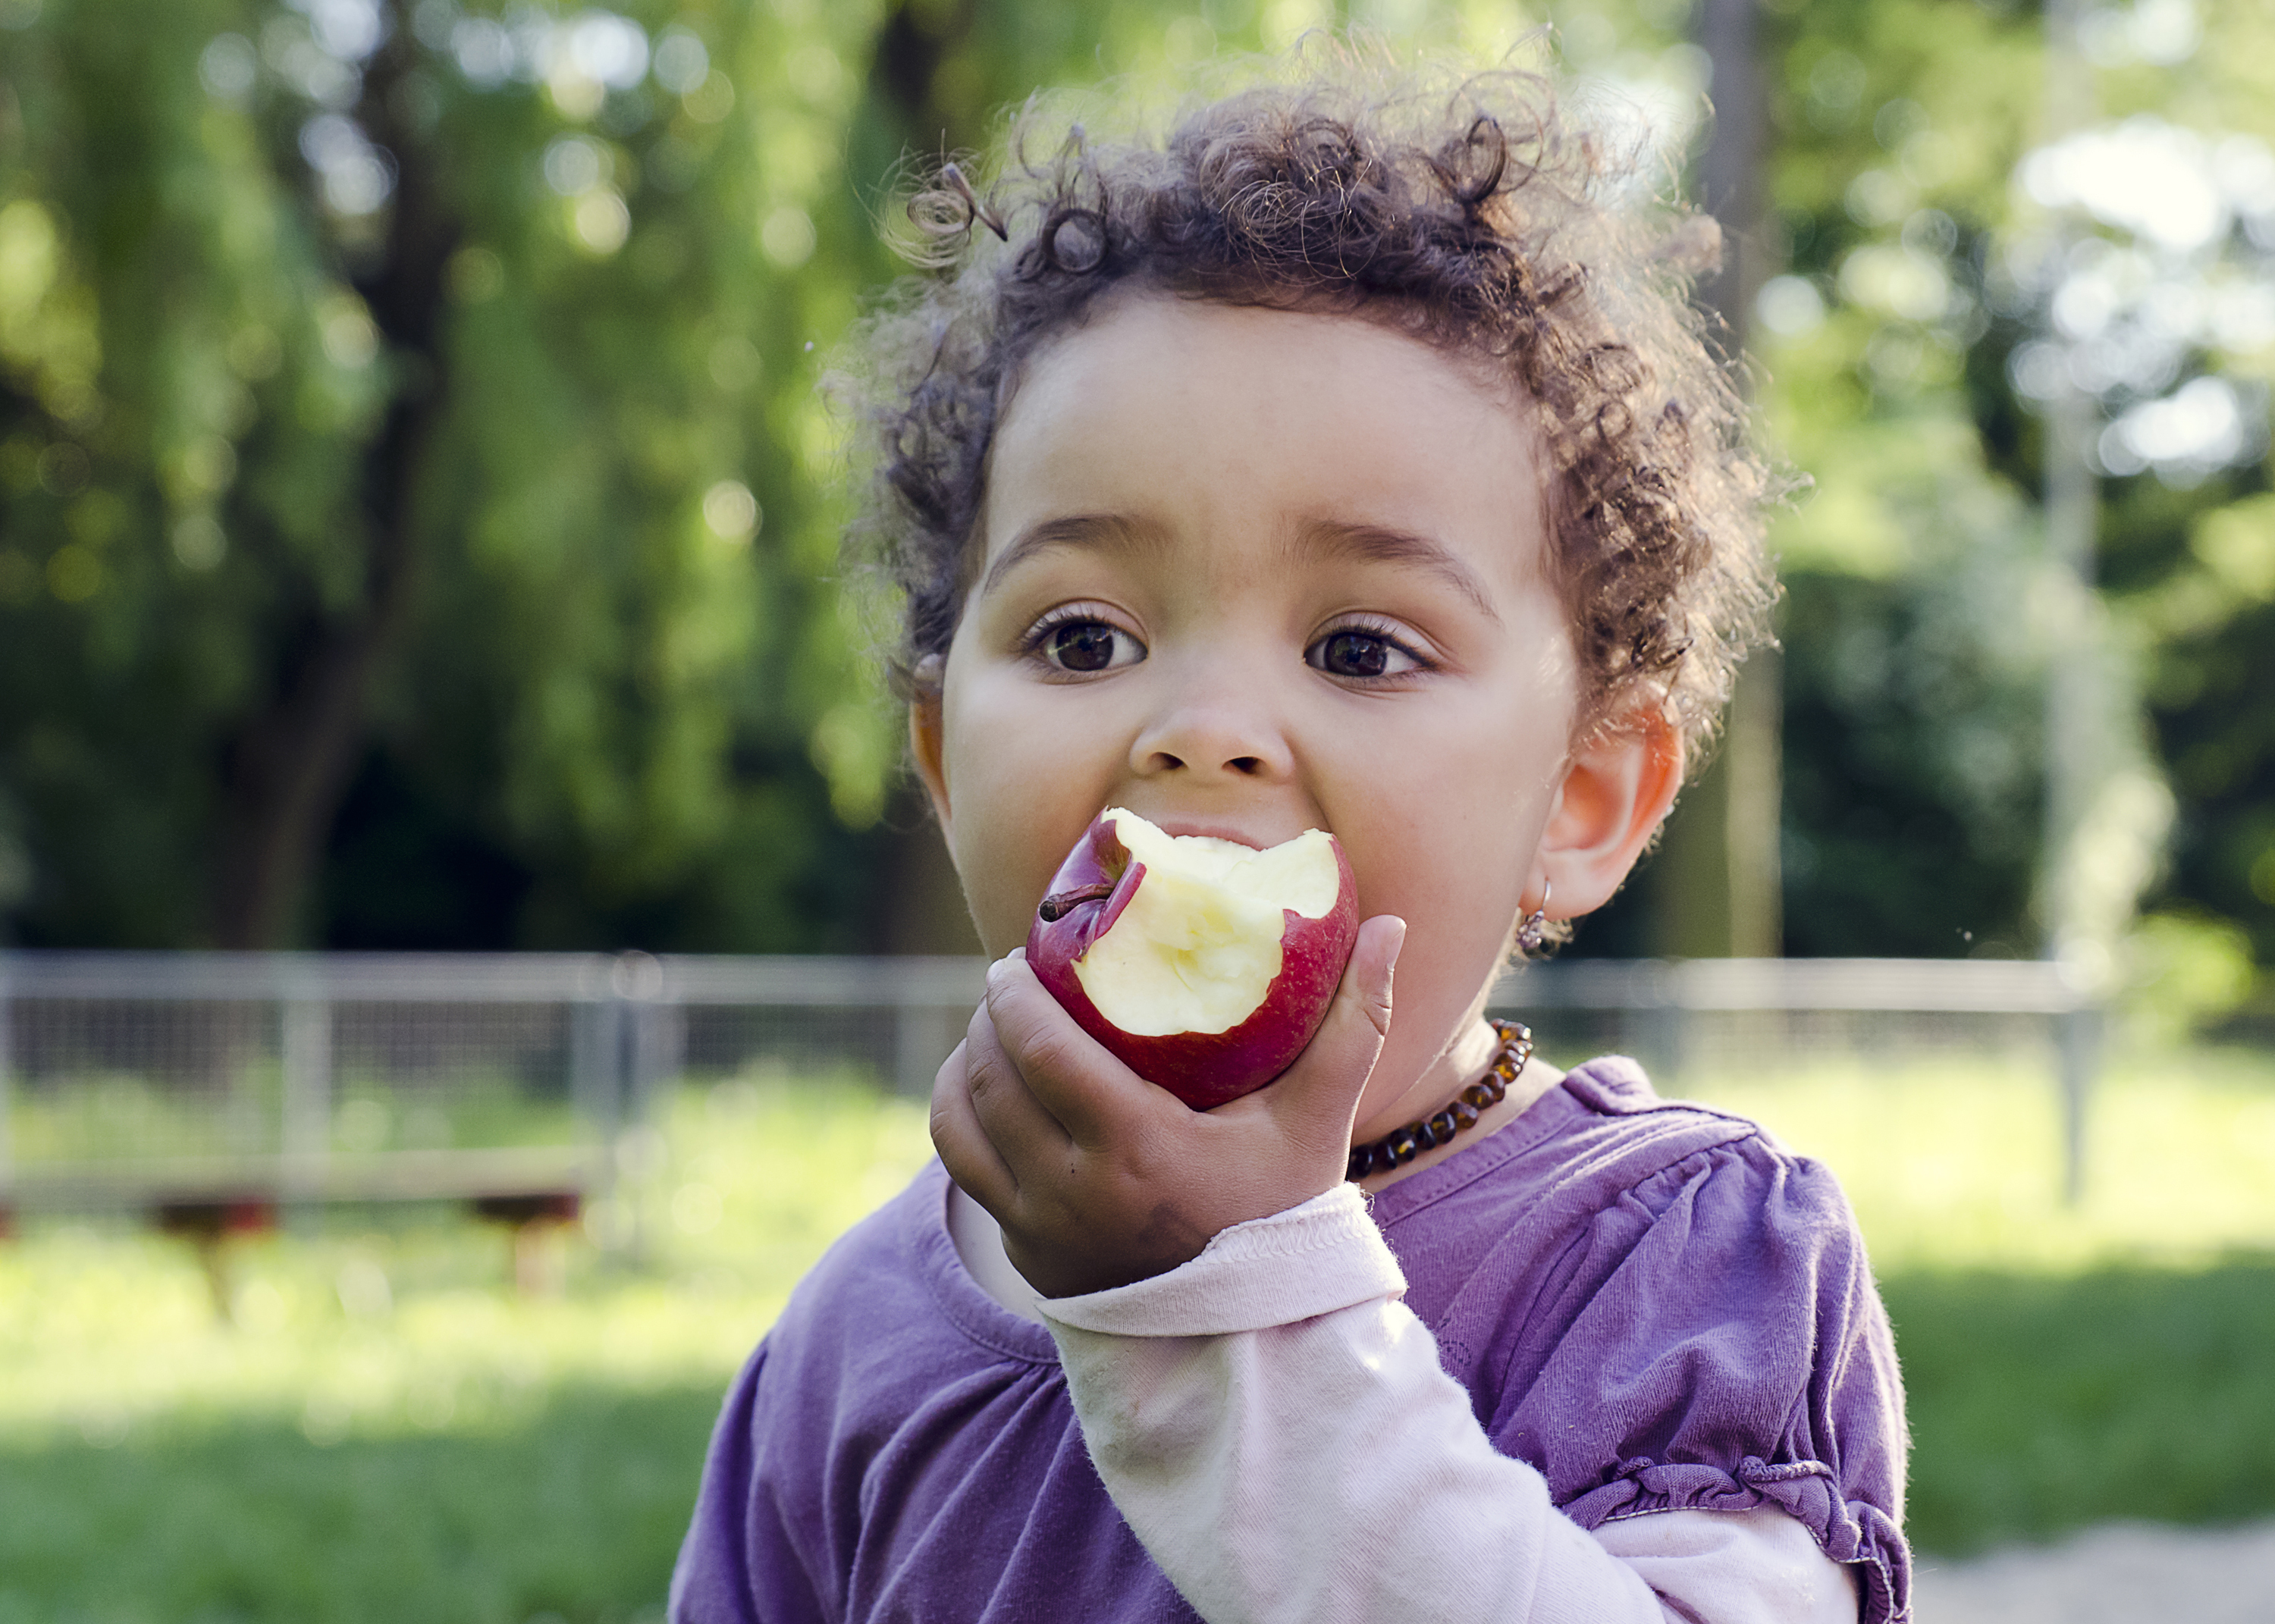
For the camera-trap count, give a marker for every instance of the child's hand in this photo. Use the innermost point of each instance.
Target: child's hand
(1099, 1178)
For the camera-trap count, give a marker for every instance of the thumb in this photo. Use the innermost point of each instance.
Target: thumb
(1317, 1098)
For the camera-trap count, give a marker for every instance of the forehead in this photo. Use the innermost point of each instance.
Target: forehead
(1222, 412)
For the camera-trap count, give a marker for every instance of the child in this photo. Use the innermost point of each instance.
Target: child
(1349, 462)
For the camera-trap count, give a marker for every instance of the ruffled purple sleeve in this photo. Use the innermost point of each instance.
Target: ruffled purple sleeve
(1727, 1349)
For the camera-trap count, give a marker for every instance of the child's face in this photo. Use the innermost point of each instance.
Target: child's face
(1249, 572)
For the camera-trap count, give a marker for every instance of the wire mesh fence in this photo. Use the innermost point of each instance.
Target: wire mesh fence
(210, 1084)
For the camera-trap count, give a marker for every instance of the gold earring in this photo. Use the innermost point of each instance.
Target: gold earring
(1534, 931)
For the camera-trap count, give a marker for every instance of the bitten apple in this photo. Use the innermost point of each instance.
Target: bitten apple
(1203, 964)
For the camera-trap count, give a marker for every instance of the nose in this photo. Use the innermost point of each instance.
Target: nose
(1215, 724)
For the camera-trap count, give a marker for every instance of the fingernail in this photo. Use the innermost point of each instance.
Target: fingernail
(996, 971)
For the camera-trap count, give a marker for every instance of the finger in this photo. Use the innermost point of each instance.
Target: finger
(1317, 1098)
(966, 1151)
(1072, 1076)
(1018, 1123)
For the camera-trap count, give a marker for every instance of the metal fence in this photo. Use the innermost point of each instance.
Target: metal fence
(196, 1083)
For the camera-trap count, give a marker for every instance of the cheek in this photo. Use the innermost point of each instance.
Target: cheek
(1019, 798)
(1438, 849)
(1449, 845)
(1451, 802)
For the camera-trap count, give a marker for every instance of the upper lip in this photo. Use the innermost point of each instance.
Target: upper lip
(1216, 831)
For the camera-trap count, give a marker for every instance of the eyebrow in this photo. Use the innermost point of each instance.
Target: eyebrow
(1111, 531)
(1371, 543)
(1382, 544)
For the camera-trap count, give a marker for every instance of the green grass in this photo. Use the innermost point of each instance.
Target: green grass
(2041, 1403)
(388, 1431)
(97, 1117)
(408, 1322)
(574, 1510)
(385, 1431)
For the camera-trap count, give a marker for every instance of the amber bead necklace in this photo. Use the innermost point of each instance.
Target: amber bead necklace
(1401, 1145)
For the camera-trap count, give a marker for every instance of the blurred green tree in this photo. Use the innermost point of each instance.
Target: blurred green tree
(417, 512)
(1902, 349)
(1908, 347)
(413, 409)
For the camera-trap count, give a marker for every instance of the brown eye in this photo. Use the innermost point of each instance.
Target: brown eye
(1086, 646)
(1354, 654)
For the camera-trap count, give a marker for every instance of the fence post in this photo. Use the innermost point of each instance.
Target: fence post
(908, 1059)
(598, 1092)
(306, 1128)
(636, 982)
(2077, 1041)
(595, 1061)
(1668, 1018)
(920, 1042)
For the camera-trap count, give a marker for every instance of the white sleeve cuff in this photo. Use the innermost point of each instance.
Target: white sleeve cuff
(1309, 1260)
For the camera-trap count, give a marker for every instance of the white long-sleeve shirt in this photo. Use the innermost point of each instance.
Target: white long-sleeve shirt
(1275, 1424)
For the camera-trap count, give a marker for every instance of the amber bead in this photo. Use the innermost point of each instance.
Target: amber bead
(1396, 1149)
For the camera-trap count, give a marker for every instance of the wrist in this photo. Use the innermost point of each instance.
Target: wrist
(1322, 1255)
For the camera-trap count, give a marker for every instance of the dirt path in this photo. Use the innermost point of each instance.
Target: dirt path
(2122, 1573)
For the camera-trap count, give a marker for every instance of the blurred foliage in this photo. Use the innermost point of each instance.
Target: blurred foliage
(1917, 624)
(413, 475)
(2186, 971)
(417, 506)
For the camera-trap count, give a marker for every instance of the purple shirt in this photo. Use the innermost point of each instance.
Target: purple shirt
(1651, 1303)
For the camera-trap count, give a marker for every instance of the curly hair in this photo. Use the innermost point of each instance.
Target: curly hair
(1465, 212)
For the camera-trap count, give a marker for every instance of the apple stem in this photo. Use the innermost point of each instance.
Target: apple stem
(1056, 908)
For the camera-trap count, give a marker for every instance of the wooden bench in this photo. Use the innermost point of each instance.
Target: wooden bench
(535, 1192)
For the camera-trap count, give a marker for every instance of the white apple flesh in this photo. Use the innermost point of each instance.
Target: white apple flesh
(1205, 965)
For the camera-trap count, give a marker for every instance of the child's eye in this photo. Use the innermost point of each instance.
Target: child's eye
(1088, 645)
(1355, 651)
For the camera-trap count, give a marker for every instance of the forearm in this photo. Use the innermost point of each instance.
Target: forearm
(1276, 1426)
(1307, 1460)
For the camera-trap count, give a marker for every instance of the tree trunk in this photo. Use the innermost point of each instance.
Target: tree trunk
(1720, 878)
(290, 763)
(913, 43)
(925, 911)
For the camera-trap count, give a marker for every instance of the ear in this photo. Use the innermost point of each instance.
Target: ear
(924, 737)
(1621, 783)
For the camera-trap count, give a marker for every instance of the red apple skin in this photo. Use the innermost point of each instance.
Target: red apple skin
(1202, 1069)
